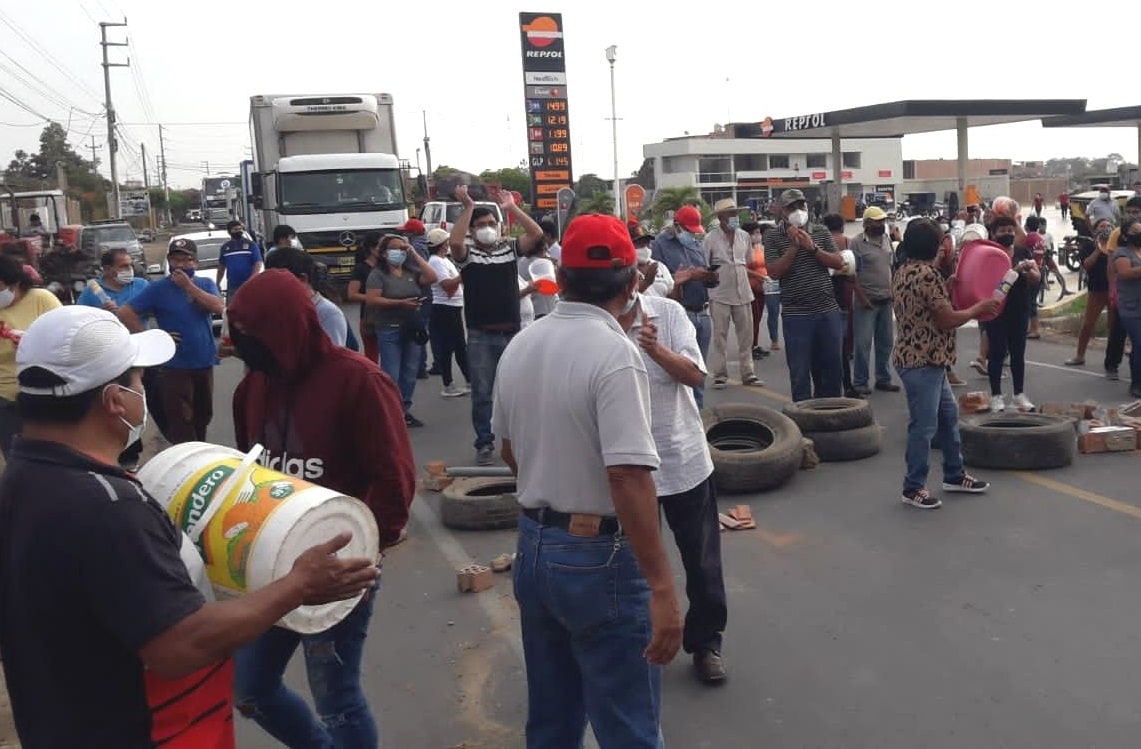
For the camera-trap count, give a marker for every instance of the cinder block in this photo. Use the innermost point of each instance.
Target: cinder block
(475, 578)
(1108, 440)
(974, 402)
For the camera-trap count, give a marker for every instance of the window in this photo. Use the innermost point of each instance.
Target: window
(816, 161)
(909, 170)
(350, 191)
(851, 159)
(752, 162)
(715, 169)
(778, 161)
(673, 165)
(712, 196)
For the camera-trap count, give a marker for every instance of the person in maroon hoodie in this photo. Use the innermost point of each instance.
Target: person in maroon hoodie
(330, 416)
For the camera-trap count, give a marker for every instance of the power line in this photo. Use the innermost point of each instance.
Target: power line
(48, 92)
(36, 47)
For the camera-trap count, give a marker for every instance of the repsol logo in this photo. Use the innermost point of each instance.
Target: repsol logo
(302, 468)
(200, 497)
(804, 121)
(547, 53)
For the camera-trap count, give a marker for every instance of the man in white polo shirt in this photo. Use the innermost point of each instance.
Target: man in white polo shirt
(684, 482)
(572, 406)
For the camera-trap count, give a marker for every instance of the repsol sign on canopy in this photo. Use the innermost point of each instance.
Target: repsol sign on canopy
(541, 40)
(804, 122)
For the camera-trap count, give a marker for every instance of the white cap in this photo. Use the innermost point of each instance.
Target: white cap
(973, 232)
(438, 236)
(86, 347)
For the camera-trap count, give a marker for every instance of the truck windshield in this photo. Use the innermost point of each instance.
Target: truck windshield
(355, 191)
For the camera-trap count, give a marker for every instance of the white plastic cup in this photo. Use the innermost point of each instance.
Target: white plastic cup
(543, 276)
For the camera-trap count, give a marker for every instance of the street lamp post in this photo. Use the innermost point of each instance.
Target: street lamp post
(611, 56)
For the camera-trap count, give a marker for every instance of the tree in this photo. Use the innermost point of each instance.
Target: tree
(38, 171)
(645, 175)
(512, 179)
(589, 184)
(598, 202)
(671, 198)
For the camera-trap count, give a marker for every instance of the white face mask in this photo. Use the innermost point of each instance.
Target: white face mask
(629, 304)
(7, 296)
(136, 430)
(798, 217)
(644, 254)
(125, 276)
(486, 235)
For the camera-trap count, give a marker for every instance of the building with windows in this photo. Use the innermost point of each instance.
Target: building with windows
(753, 171)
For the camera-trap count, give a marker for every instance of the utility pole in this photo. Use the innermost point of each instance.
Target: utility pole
(428, 156)
(165, 185)
(206, 166)
(611, 56)
(112, 143)
(147, 186)
(93, 148)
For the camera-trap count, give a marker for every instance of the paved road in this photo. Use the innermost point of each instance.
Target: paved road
(1004, 620)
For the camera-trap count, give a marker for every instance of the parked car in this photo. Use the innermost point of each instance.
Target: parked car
(98, 236)
(443, 213)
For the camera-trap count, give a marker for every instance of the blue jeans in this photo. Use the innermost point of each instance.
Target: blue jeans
(704, 326)
(934, 418)
(426, 319)
(868, 324)
(400, 360)
(813, 349)
(333, 664)
(584, 608)
(772, 308)
(484, 348)
(1132, 326)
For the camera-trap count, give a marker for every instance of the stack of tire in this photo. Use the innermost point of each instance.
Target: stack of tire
(754, 448)
(840, 428)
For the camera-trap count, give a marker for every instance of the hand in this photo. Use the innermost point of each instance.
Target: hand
(462, 196)
(685, 275)
(648, 338)
(506, 200)
(110, 305)
(410, 303)
(325, 578)
(985, 307)
(181, 280)
(651, 273)
(665, 622)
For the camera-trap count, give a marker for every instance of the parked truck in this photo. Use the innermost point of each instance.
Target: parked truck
(218, 195)
(327, 166)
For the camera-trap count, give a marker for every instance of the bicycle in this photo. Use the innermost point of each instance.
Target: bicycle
(1056, 275)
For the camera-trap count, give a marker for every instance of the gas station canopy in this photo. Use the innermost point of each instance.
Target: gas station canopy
(1120, 117)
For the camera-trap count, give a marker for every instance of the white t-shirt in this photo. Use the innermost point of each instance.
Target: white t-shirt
(526, 306)
(555, 252)
(445, 269)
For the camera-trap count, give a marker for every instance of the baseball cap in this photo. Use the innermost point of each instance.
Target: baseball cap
(790, 196)
(874, 213)
(689, 218)
(86, 347)
(596, 241)
(182, 245)
(640, 233)
(412, 226)
(437, 237)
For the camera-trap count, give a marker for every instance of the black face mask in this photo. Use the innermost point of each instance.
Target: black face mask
(1006, 240)
(1133, 240)
(874, 231)
(256, 355)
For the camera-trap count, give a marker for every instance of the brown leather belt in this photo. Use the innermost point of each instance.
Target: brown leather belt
(577, 524)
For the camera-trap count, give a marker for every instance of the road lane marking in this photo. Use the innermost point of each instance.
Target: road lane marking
(1070, 370)
(1086, 496)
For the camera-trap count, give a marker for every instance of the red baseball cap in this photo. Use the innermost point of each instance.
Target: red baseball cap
(596, 241)
(412, 226)
(689, 218)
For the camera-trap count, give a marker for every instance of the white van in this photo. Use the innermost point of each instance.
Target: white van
(442, 214)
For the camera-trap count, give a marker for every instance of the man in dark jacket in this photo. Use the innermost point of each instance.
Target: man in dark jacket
(330, 416)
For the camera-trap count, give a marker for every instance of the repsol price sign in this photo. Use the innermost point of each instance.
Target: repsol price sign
(546, 103)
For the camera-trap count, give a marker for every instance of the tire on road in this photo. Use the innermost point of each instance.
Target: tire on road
(1019, 442)
(754, 448)
(848, 444)
(830, 414)
(480, 504)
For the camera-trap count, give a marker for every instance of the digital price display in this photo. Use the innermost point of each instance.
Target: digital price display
(545, 97)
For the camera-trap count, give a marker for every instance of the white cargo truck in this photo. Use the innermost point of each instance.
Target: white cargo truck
(327, 166)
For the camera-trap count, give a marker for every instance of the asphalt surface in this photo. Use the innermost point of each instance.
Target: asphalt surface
(1004, 620)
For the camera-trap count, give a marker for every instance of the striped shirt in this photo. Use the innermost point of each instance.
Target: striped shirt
(806, 288)
(491, 287)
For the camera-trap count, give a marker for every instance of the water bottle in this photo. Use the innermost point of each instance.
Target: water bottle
(94, 287)
(1004, 286)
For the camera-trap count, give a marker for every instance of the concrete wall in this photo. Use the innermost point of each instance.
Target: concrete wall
(932, 169)
(1023, 190)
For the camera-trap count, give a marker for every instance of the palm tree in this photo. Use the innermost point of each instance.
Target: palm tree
(599, 202)
(671, 198)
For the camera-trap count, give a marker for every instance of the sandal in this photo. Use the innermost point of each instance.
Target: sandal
(1075, 362)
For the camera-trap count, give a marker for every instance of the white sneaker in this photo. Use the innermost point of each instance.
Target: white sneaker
(1021, 402)
(454, 391)
(997, 404)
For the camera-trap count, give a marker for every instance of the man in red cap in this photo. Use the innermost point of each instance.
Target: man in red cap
(678, 247)
(591, 566)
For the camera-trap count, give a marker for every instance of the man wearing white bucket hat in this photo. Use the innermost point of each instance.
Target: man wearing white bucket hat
(106, 640)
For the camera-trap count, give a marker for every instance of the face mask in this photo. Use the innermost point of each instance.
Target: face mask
(125, 276)
(7, 296)
(295, 243)
(256, 355)
(687, 239)
(1105, 196)
(135, 431)
(798, 217)
(734, 222)
(396, 258)
(1006, 240)
(1133, 240)
(629, 304)
(486, 235)
(874, 231)
(236, 235)
(1103, 235)
(643, 254)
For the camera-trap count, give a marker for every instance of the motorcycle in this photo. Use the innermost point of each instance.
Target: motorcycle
(66, 272)
(1070, 253)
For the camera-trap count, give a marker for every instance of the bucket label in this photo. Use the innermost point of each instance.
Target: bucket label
(230, 535)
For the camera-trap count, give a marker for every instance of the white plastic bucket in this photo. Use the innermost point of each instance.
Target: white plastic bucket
(266, 520)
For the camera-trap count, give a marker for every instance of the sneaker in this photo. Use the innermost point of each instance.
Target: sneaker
(978, 366)
(720, 382)
(774, 346)
(1075, 361)
(862, 390)
(921, 498)
(955, 381)
(412, 422)
(997, 404)
(709, 667)
(484, 456)
(454, 391)
(968, 484)
(887, 387)
(1021, 402)
(1112, 375)
(759, 353)
(753, 381)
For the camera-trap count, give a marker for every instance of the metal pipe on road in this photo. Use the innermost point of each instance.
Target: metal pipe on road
(473, 471)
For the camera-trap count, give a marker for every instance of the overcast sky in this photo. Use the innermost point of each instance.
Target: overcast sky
(677, 71)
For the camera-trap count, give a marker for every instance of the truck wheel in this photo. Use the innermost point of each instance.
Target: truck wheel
(479, 504)
(847, 444)
(754, 448)
(1019, 442)
(830, 414)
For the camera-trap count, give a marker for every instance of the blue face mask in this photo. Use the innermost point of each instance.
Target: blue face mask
(189, 272)
(734, 223)
(687, 239)
(396, 257)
